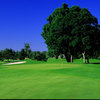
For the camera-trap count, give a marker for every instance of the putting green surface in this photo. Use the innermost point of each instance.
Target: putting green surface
(50, 81)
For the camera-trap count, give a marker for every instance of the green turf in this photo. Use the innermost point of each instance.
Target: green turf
(50, 80)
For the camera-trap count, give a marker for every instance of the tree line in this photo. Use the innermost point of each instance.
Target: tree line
(26, 52)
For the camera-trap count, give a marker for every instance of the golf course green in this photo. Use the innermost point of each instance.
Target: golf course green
(50, 81)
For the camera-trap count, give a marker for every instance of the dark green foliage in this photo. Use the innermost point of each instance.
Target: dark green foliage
(45, 53)
(30, 54)
(98, 58)
(27, 50)
(22, 54)
(35, 53)
(16, 55)
(40, 56)
(71, 31)
(51, 53)
(8, 54)
(13, 55)
(61, 56)
(1, 56)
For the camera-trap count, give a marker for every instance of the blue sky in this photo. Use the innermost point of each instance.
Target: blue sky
(21, 21)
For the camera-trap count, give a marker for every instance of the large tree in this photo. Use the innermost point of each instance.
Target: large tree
(71, 31)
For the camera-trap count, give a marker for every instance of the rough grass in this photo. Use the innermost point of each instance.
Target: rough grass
(50, 80)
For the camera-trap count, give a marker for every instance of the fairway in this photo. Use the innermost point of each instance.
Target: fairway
(50, 81)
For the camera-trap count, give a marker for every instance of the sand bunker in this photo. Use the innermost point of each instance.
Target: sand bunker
(15, 63)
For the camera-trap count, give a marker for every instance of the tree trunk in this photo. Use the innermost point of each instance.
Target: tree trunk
(88, 60)
(67, 58)
(84, 57)
(71, 58)
(56, 57)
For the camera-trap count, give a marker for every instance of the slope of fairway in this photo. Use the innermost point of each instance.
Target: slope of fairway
(50, 81)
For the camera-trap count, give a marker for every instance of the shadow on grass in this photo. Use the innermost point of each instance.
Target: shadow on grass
(90, 63)
(2, 67)
(95, 63)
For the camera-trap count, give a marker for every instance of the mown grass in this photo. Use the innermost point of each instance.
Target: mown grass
(50, 80)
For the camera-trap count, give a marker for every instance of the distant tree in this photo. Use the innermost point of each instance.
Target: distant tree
(36, 55)
(43, 56)
(27, 49)
(16, 57)
(30, 55)
(40, 56)
(22, 54)
(8, 54)
(13, 54)
(33, 55)
(72, 31)
(45, 53)
(1, 56)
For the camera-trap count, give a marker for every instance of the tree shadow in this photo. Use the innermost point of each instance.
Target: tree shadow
(95, 63)
(9, 61)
